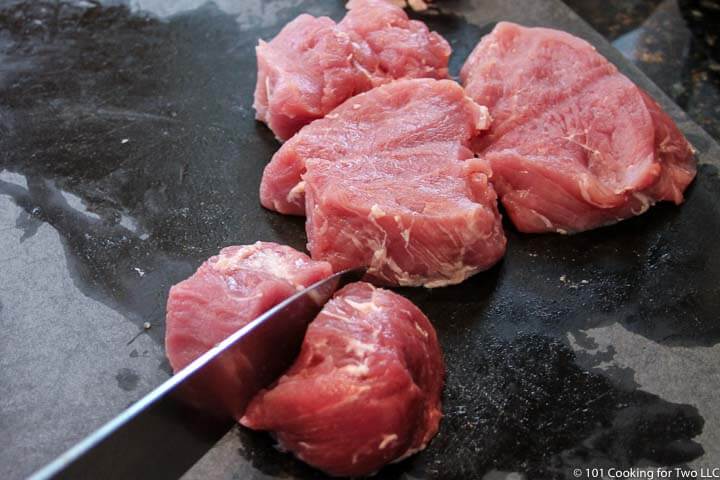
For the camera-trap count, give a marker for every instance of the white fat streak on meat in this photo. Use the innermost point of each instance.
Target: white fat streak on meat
(447, 273)
(387, 440)
(379, 248)
(482, 116)
(296, 192)
(454, 273)
(409, 453)
(450, 273)
(460, 273)
(645, 203)
(358, 348)
(583, 184)
(254, 257)
(405, 232)
(355, 346)
(546, 221)
(381, 258)
(336, 315)
(358, 369)
(422, 331)
(376, 212)
(229, 261)
(232, 285)
(357, 65)
(583, 144)
(268, 90)
(364, 307)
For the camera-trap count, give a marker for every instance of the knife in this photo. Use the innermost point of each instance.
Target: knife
(166, 432)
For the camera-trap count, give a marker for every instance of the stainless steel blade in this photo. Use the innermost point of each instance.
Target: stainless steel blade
(166, 432)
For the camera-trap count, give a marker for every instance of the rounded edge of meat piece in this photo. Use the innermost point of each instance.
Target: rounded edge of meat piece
(675, 154)
(365, 390)
(228, 291)
(304, 72)
(404, 48)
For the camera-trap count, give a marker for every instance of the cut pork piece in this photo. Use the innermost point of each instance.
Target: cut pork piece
(391, 184)
(225, 294)
(574, 144)
(365, 390)
(430, 223)
(402, 120)
(314, 64)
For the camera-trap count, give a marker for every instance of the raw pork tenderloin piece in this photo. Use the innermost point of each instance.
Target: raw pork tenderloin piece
(574, 144)
(365, 390)
(314, 64)
(391, 184)
(228, 291)
(429, 223)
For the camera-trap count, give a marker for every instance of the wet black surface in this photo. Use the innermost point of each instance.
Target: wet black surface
(136, 138)
(526, 406)
(127, 379)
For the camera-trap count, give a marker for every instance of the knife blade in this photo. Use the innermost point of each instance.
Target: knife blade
(166, 432)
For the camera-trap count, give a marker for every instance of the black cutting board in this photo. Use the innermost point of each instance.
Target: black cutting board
(129, 153)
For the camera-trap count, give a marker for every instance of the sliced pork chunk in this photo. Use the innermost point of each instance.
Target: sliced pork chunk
(365, 390)
(414, 222)
(391, 184)
(403, 120)
(574, 144)
(314, 64)
(228, 291)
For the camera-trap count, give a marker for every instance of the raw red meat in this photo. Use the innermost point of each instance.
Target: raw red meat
(365, 389)
(392, 185)
(574, 144)
(314, 64)
(228, 291)
(406, 118)
(430, 223)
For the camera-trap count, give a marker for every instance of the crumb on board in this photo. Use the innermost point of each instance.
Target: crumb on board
(416, 5)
